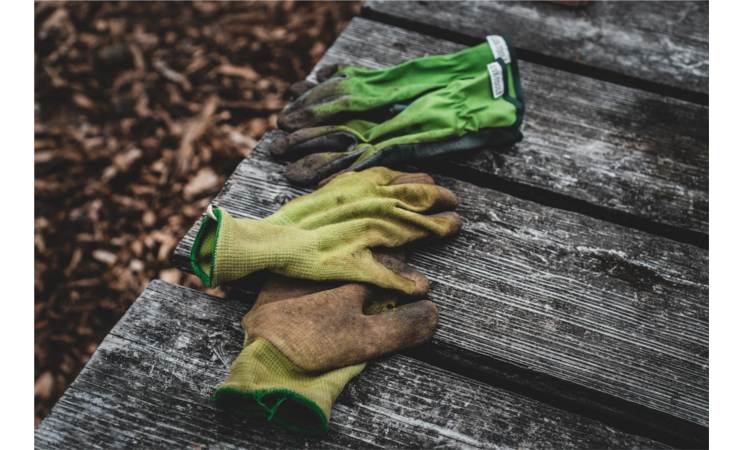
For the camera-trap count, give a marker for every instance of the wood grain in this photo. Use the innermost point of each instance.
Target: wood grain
(657, 45)
(589, 306)
(609, 151)
(149, 382)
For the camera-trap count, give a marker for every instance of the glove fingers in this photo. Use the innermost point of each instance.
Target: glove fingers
(410, 226)
(313, 168)
(304, 112)
(389, 180)
(446, 223)
(412, 178)
(278, 288)
(400, 328)
(395, 253)
(327, 71)
(299, 88)
(312, 140)
(389, 274)
(328, 330)
(422, 197)
(379, 175)
(400, 268)
(317, 331)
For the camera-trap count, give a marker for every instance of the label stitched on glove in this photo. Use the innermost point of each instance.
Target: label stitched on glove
(499, 48)
(497, 79)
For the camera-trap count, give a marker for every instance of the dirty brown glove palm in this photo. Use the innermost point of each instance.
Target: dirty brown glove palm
(330, 233)
(306, 340)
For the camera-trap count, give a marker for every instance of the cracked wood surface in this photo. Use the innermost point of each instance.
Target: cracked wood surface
(626, 152)
(660, 43)
(592, 307)
(148, 385)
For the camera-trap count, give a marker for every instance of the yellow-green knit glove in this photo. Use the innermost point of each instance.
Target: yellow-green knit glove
(265, 383)
(329, 234)
(306, 340)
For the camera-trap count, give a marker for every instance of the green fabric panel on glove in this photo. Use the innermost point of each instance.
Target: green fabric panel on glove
(329, 234)
(356, 89)
(349, 90)
(462, 116)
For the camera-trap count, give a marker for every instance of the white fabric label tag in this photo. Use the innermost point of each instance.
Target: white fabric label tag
(499, 48)
(497, 79)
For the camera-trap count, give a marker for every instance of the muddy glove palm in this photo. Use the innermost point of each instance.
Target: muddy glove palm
(465, 115)
(329, 234)
(354, 91)
(306, 340)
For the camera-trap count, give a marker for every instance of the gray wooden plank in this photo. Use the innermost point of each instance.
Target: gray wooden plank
(148, 383)
(616, 153)
(658, 45)
(594, 305)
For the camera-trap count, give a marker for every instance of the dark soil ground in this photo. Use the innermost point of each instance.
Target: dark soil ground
(142, 111)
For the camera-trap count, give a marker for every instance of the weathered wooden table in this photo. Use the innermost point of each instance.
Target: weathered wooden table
(573, 304)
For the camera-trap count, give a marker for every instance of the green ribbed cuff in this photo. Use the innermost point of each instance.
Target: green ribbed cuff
(263, 383)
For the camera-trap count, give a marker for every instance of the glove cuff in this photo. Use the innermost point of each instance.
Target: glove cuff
(204, 251)
(227, 249)
(264, 383)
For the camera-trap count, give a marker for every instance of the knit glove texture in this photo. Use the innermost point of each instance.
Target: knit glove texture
(476, 108)
(330, 233)
(349, 90)
(304, 341)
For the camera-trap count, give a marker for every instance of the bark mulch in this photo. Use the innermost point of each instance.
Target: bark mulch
(142, 110)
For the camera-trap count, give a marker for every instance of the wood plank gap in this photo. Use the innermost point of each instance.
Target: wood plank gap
(564, 202)
(614, 412)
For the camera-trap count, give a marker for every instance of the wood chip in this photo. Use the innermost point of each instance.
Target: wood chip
(171, 275)
(244, 72)
(194, 130)
(206, 180)
(44, 385)
(104, 256)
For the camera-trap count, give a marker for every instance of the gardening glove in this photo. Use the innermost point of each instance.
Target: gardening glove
(347, 91)
(467, 114)
(329, 234)
(306, 340)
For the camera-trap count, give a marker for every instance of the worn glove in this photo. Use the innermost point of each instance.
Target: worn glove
(306, 340)
(329, 234)
(345, 92)
(467, 114)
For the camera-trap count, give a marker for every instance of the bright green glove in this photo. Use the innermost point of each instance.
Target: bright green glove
(350, 91)
(329, 234)
(465, 115)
